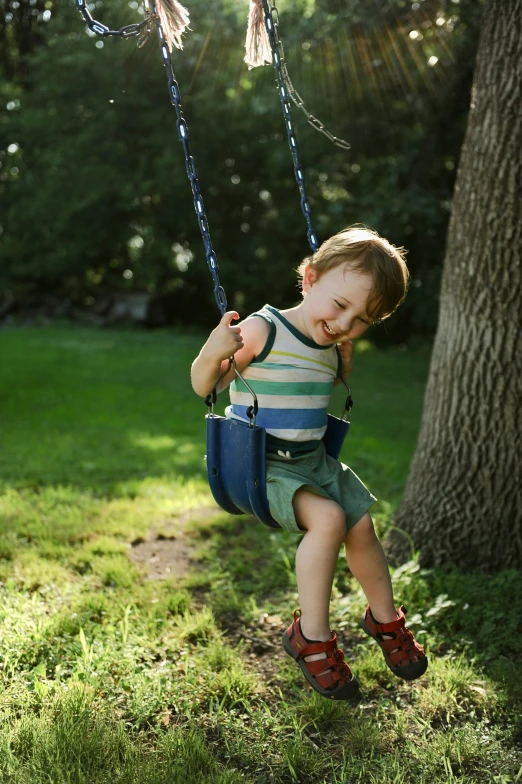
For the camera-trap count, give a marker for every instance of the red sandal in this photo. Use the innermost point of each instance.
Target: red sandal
(400, 649)
(338, 683)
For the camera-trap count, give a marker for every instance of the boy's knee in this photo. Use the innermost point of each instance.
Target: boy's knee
(333, 521)
(362, 531)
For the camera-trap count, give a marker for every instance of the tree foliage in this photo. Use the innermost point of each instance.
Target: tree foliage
(93, 189)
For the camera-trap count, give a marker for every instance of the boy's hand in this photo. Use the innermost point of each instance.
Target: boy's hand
(347, 357)
(225, 339)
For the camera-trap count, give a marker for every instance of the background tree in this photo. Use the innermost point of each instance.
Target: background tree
(463, 499)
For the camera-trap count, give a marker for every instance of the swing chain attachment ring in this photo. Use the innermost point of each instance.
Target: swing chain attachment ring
(210, 400)
(348, 403)
(252, 410)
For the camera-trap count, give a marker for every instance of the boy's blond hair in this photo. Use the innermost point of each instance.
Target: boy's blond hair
(364, 251)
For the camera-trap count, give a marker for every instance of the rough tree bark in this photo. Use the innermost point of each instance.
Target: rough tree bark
(463, 499)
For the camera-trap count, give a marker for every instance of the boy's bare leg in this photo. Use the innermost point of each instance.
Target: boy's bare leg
(367, 563)
(325, 524)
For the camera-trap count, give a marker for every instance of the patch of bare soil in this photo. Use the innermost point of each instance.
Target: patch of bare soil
(262, 642)
(162, 557)
(167, 554)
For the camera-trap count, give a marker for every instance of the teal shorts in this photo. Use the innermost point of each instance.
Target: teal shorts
(320, 474)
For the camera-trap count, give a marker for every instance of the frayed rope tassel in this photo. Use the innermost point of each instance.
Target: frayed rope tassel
(174, 19)
(257, 45)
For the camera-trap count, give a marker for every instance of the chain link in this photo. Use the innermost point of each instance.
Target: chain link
(128, 31)
(292, 92)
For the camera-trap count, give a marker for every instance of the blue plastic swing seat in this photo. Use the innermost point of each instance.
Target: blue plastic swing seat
(236, 456)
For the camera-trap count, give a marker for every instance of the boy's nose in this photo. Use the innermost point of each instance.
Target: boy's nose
(345, 323)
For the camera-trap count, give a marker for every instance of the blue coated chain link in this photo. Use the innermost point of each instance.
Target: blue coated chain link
(285, 103)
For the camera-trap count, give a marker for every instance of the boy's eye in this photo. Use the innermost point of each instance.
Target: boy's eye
(339, 304)
(364, 321)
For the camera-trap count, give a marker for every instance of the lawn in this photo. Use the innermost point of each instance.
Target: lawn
(108, 675)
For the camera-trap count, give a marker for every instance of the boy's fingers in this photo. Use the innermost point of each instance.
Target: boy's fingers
(229, 317)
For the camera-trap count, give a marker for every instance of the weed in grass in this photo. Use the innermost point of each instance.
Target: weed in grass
(454, 694)
(106, 545)
(370, 668)
(177, 602)
(115, 571)
(30, 572)
(189, 758)
(221, 657)
(300, 760)
(233, 685)
(197, 627)
(331, 720)
(146, 700)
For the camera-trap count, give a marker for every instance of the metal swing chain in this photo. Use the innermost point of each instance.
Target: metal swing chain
(294, 95)
(287, 114)
(190, 163)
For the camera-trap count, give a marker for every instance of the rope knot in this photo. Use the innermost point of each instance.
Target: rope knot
(257, 45)
(174, 19)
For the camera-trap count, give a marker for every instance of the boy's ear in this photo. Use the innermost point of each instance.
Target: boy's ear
(309, 278)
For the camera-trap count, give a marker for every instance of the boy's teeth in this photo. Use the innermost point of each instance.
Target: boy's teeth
(328, 329)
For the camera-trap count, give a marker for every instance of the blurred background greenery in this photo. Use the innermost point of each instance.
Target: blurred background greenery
(94, 197)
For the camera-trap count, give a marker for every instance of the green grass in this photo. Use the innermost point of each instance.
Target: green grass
(108, 676)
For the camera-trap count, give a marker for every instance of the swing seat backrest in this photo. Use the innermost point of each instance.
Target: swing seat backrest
(236, 455)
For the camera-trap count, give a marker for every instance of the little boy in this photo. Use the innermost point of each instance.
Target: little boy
(292, 359)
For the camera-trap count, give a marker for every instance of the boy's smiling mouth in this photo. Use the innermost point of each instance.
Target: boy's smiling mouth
(328, 330)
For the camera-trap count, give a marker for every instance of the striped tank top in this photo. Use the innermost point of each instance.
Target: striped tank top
(293, 378)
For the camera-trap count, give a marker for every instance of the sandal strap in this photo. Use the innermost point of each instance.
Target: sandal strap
(401, 644)
(318, 647)
(330, 671)
(391, 626)
(304, 647)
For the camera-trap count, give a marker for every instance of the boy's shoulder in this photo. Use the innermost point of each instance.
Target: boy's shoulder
(257, 328)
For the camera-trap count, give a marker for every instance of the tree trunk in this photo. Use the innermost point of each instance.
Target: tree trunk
(463, 499)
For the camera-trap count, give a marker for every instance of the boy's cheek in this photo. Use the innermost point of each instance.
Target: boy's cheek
(359, 331)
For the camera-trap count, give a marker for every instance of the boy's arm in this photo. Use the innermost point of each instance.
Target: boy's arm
(244, 341)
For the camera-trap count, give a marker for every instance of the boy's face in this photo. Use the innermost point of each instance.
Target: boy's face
(334, 308)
